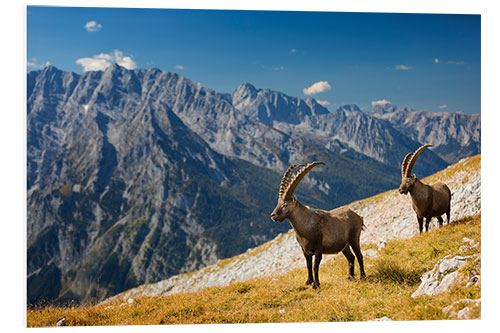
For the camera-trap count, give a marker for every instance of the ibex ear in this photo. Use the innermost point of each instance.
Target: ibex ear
(294, 198)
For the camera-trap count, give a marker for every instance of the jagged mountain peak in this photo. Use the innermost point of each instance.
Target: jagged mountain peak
(269, 106)
(350, 108)
(50, 69)
(247, 87)
(116, 67)
(390, 108)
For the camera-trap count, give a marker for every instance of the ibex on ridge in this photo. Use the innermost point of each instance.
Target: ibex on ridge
(428, 201)
(318, 231)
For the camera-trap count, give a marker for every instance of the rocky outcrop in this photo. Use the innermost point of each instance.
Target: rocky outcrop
(444, 276)
(447, 274)
(462, 309)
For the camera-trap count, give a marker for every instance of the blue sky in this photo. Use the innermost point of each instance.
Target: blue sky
(425, 61)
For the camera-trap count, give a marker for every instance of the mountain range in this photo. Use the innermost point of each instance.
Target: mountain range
(134, 176)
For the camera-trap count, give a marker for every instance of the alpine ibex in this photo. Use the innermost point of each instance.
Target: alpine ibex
(428, 201)
(318, 231)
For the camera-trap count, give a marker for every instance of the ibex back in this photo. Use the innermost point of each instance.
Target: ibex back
(318, 231)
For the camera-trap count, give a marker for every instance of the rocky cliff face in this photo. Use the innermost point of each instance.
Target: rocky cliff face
(271, 106)
(346, 129)
(454, 135)
(121, 191)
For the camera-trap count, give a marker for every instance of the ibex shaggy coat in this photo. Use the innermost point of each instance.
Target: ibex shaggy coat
(318, 231)
(428, 201)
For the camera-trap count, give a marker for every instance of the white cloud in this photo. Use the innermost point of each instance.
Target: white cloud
(33, 63)
(293, 51)
(380, 102)
(402, 67)
(93, 26)
(323, 103)
(102, 61)
(279, 68)
(436, 60)
(317, 88)
(179, 67)
(444, 106)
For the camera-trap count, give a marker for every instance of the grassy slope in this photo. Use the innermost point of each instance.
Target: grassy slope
(392, 278)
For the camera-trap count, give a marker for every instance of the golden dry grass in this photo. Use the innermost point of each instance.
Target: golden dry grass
(392, 278)
(469, 165)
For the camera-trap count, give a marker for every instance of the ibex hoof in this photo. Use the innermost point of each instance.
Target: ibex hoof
(309, 282)
(315, 285)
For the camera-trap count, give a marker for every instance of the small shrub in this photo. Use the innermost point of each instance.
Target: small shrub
(241, 288)
(392, 271)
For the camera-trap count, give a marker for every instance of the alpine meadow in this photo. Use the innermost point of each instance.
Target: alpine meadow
(194, 172)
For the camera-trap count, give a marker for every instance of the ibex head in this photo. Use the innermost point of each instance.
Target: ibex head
(407, 179)
(286, 202)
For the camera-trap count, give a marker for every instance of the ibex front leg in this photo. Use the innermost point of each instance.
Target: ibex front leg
(309, 268)
(420, 224)
(317, 260)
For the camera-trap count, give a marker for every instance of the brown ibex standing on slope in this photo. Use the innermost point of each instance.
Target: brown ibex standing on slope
(428, 201)
(318, 231)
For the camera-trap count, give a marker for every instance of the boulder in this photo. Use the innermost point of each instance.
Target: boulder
(462, 309)
(442, 277)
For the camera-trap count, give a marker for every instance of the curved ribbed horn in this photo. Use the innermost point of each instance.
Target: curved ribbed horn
(285, 181)
(414, 158)
(298, 177)
(405, 164)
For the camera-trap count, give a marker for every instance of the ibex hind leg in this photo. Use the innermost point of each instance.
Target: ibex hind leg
(440, 220)
(350, 259)
(359, 256)
(427, 222)
(448, 215)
